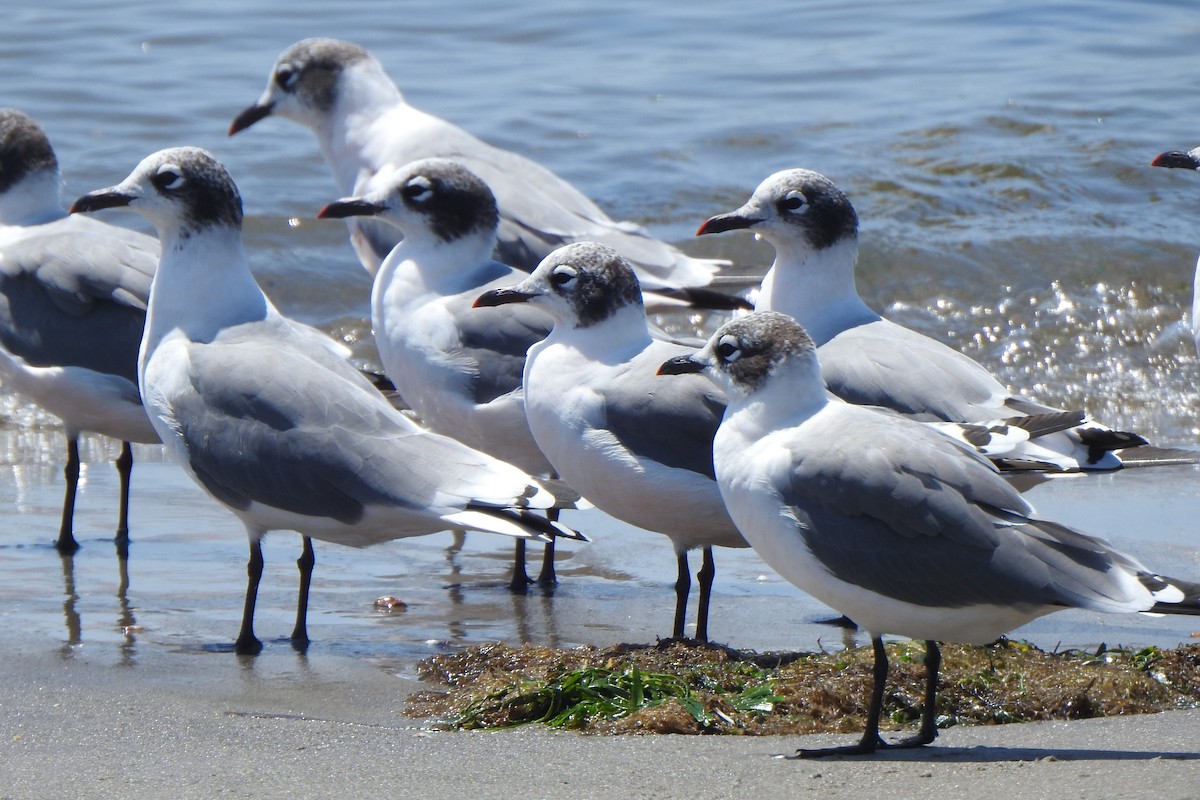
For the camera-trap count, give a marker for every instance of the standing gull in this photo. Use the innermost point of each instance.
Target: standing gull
(1178, 159)
(637, 446)
(366, 130)
(269, 418)
(889, 522)
(72, 305)
(457, 367)
(869, 360)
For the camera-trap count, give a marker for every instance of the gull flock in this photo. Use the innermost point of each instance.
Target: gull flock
(874, 467)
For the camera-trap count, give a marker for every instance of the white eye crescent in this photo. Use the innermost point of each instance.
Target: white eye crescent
(418, 189)
(169, 176)
(794, 201)
(563, 274)
(729, 349)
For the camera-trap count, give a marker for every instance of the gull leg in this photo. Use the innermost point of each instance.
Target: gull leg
(124, 464)
(870, 738)
(305, 564)
(66, 543)
(547, 578)
(928, 731)
(247, 643)
(520, 578)
(683, 585)
(708, 571)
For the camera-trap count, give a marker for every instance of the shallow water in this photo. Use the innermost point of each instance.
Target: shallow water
(997, 154)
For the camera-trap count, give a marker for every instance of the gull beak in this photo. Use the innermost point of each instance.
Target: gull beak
(733, 221)
(250, 116)
(500, 297)
(1177, 159)
(101, 199)
(680, 365)
(351, 207)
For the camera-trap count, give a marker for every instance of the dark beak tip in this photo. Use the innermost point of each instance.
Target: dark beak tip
(248, 117)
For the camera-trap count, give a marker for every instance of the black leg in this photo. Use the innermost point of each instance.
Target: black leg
(124, 464)
(305, 564)
(683, 585)
(247, 643)
(928, 732)
(520, 578)
(870, 738)
(66, 543)
(708, 571)
(547, 578)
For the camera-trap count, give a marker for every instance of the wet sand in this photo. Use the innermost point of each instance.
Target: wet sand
(117, 680)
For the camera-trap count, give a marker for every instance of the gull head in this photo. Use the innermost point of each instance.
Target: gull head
(579, 285)
(24, 149)
(744, 354)
(181, 190)
(435, 198)
(304, 83)
(793, 209)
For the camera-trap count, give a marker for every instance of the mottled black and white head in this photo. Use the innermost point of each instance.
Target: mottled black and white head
(1178, 159)
(579, 285)
(24, 149)
(434, 199)
(795, 208)
(182, 191)
(305, 83)
(743, 355)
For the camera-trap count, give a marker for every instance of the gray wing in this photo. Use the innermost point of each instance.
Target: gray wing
(671, 420)
(884, 364)
(909, 514)
(496, 339)
(73, 293)
(278, 426)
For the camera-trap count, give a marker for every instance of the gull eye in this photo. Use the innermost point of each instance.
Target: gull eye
(729, 349)
(793, 202)
(418, 189)
(286, 76)
(563, 274)
(168, 177)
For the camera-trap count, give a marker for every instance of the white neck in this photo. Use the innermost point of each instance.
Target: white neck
(789, 397)
(615, 340)
(365, 96)
(816, 288)
(32, 201)
(201, 296)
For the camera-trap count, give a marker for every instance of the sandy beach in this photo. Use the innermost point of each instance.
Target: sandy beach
(196, 725)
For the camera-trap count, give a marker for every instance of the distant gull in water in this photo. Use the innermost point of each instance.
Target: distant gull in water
(869, 360)
(72, 305)
(459, 368)
(269, 417)
(366, 130)
(1178, 159)
(889, 522)
(638, 446)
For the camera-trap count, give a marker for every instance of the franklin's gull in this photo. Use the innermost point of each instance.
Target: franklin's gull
(889, 522)
(72, 305)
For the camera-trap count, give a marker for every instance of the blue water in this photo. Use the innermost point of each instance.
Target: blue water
(997, 153)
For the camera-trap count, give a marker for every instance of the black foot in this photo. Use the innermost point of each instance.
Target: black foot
(300, 643)
(247, 646)
(66, 545)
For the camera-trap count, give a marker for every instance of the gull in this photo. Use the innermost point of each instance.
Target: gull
(1178, 159)
(457, 367)
(636, 446)
(269, 418)
(72, 305)
(366, 130)
(889, 522)
(869, 360)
